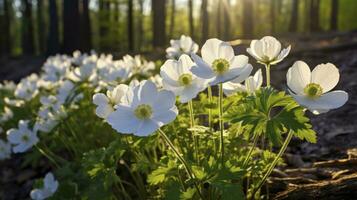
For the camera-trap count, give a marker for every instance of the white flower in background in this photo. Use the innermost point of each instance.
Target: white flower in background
(144, 110)
(268, 50)
(64, 91)
(185, 45)
(106, 104)
(133, 83)
(27, 88)
(5, 150)
(85, 71)
(157, 79)
(312, 89)
(6, 115)
(14, 102)
(178, 78)
(251, 84)
(8, 85)
(219, 64)
(55, 68)
(22, 138)
(50, 186)
(137, 64)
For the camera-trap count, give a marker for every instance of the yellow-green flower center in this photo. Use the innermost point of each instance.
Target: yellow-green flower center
(220, 65)
(143, 111)
(25, 138)
(185, 79)
(313, 90)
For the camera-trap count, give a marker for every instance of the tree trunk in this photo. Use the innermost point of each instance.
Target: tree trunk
(40, 27)
(159, 25)
(71, 26)
(294, 16)
(247, 19)
(218, 18)
(314, 15)
(172, 18)
(53, 45)
(86, 31)
(27, 28)
(227, 20)
(272, 15)
(190, 18)
(334, 15)
(204, 19)
(140, 24)
(104, 19)
(130, 26)
(7, 28)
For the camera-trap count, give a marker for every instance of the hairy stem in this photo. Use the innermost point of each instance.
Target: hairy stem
(221, 127)
(267, 72)
(255, 141)
(209, 110)
(195, 138)
(182, 160)
(270, 169)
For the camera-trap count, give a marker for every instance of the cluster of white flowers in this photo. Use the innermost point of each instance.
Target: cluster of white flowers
(22, 138)
(184, 45)
(50, 186)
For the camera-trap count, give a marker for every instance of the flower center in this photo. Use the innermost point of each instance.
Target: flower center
(143, 111)
(220, 65)
(313, 90)
(25, 138)
(185, 79)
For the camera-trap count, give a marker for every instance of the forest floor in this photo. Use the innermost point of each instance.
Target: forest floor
(325, 170)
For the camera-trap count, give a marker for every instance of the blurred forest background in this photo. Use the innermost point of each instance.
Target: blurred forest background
(47, 27)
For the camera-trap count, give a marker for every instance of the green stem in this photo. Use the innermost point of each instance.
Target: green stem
(267, 72)
(209, 110)
(182, 160)
(221, 127)
(255, 141)
(270, 169)
(195, 138)
(47, 155)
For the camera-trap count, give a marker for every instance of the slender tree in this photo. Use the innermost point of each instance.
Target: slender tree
(294, 16)
(190, 18)
(104, 20)
(314, 15)
(7, 27)
(130, 26)
(27, 28)
(140, 24)
(159, 25)
(40, 27)
(227, 19)
(53, 45)
(334, 15)
(248, 19)
(218, 18)
(86, 31)
(204, 19)
(272, 15)
(71, 26)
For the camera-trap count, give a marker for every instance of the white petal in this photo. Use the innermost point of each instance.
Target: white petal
(188, 93)
(13, 136)
(100, 99)
(282, 55)
(271, 47)
(244, 74)
(103, 111)
(228, 76)
(164, 101)
(230, 88)
(36, 194)
(165, 117)
(239, 61)
(147, 127)
(118, 93)
(210, 49)
(326, 75)
(298, 77)
(258, 79)
(226, 51)
(185, 63)
(123, 120)
(169, 72)
(201, 69)
(147, 92)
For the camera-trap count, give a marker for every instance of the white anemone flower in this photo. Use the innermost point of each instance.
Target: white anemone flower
(157, 79)
(27, 88)
(184, 45)
(22, 138)
(312, 89)
(106, 104)
(5, 150)
(268, 50)
(218, 62)
(178, 78)
(144, 110)
(6, 115)
(50, 186)
(251, 84)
